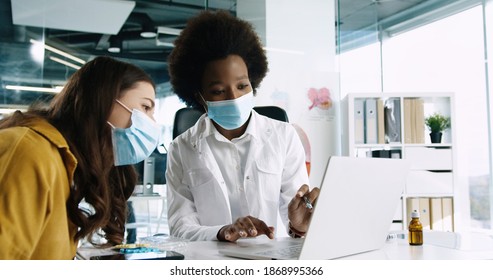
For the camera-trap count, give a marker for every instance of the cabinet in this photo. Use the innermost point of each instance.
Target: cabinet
(393, 125)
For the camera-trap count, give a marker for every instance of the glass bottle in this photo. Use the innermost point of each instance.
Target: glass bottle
(415, 230)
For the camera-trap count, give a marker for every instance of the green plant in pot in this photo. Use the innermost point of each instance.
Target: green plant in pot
(437, 123)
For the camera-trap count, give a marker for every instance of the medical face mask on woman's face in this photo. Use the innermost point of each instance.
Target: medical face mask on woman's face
(231, 114)
(137, 142)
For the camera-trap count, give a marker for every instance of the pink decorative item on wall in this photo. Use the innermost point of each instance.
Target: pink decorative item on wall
(320, 98)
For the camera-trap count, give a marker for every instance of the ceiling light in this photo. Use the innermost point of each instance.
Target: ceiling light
(37, 52)
(115, 45)
(148, 31)
(66, 63)
(114, 49)
(57, 51)
(168, 30)
(37, 89)
(147, 34)
(165, 44)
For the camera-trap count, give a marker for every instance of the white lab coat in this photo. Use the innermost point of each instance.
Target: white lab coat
(198, 204)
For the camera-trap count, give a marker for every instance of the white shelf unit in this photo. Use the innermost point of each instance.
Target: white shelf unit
(430, 184)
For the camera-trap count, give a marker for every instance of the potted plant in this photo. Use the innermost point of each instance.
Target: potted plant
(437, 123)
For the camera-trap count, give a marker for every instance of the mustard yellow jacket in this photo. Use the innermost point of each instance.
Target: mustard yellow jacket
(36, 171)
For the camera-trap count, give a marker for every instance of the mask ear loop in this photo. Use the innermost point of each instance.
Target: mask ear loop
(205, 102)
(112, 126)
(123, 105)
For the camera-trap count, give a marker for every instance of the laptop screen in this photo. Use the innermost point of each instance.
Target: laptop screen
(356, 206)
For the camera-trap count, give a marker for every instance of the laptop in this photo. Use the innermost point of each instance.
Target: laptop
(353, 213)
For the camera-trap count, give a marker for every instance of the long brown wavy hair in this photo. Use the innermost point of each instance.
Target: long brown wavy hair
(80, 112)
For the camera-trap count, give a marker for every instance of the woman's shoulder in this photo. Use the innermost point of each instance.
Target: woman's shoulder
(30, 141)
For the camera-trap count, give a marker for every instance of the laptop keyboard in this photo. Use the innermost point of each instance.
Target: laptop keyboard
(291, 252)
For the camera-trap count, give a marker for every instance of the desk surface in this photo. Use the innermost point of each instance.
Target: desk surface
(437, 246)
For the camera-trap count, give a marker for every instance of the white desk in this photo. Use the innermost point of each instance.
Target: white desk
(437, 246)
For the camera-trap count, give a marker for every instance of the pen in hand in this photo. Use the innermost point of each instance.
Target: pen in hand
(308, 204)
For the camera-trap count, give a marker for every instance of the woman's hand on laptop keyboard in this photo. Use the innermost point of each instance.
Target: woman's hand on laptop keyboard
(245, 227)
(301, 207)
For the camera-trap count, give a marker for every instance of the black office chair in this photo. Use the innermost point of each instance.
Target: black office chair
(187, 117)
(184, 119)
(272, 112)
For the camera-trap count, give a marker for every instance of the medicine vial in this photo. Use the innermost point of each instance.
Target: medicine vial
(415, 230)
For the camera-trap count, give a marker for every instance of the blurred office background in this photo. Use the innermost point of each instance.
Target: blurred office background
(378, 46)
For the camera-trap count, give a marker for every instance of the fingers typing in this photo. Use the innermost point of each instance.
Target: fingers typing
(245, 227)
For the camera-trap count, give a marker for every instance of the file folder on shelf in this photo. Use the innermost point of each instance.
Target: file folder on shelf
(420, 121)
(381, 121)
(413, 120)
(393, 120)
(424, 212)
(448, 213)
(408, 128)
(371, 121)
(422, 205)
(359, 121)
(436, 215)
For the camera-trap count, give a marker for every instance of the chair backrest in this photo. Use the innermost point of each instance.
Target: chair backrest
(184, 119)
(187, 117)
(272, 112)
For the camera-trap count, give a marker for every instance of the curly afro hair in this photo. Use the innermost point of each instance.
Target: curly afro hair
(212, 36)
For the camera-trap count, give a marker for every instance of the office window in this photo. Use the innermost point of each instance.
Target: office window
(446, 55)
(166, 108)
(360, 70)
(488, 27)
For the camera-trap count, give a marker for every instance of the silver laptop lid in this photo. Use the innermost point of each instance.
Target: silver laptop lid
(355, 208)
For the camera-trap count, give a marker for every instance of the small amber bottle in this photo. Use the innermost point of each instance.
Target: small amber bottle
(415, 230)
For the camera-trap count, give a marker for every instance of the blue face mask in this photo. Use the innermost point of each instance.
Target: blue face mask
(231, 114)
(137, 142)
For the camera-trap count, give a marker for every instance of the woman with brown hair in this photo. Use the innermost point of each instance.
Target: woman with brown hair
(79, 149)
